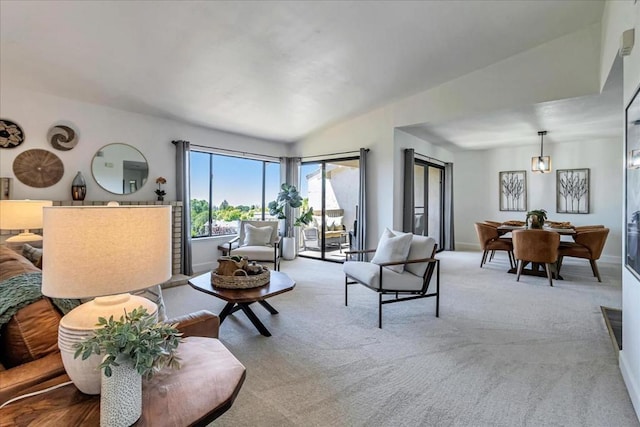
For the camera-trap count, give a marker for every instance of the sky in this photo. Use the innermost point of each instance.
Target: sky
(236, 180)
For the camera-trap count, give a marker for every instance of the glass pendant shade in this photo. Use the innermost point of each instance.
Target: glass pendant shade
(78, 187)
(541, 163)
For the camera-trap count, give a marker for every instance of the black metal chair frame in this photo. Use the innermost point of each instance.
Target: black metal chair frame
(434, 265)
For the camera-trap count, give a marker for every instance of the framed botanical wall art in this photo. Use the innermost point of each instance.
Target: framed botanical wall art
(513, 191)
(572, 191)
(632, 185)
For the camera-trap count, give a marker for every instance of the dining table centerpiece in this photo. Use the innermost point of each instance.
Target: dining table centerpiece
(536, 218)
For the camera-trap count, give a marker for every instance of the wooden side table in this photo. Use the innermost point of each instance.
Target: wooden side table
(202, 390)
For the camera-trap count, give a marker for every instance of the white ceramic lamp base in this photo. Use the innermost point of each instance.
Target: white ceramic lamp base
(79, 324)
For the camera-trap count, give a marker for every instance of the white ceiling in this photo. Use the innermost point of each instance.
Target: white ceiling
(279, 70)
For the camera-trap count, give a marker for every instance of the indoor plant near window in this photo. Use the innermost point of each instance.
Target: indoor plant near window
(288, 199)
(134, 347)
(536, 218)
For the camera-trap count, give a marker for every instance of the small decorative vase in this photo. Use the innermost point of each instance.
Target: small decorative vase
(121, 395)
(161, 198)
(78, 187)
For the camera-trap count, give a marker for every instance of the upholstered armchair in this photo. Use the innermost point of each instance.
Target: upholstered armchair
(588, 245)
(402, 266)
(536, 246)
(490, 241)
(258, 241)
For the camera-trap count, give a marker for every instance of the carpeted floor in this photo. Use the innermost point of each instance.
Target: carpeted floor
(502, 353)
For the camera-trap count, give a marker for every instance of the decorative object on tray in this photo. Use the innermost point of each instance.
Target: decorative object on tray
(62, 137)
(159, 192)
(11, 134)
(134, 346)
(513, 191)
(536, 218)
(236, 272)
(78, 187)
(572, 191)
(38, 168)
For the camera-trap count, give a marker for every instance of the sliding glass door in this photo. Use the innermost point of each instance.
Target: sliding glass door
(331, 189)
(428, 209)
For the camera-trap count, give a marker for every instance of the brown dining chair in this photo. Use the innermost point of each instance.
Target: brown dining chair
(490, 241)
(536, 246)
(583, 228)
(588, 245)
(496, 224)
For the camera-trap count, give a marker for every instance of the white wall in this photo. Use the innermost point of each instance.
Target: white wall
(476, 179)
(97, 126)
(563, 68)
(618, 17)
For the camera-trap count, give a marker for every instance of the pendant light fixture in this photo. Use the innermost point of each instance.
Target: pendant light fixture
(541, 163)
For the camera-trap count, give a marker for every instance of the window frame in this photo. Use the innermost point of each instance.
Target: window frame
(264, 164)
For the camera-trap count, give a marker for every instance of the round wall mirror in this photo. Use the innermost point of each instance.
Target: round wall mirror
(120, 168)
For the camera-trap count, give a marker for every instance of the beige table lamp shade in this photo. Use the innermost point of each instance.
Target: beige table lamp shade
(94, 251)
(22, 215)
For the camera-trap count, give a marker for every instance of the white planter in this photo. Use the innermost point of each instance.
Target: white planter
(121, 395)
(288, 248)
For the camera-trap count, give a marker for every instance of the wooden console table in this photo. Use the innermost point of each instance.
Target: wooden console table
(202, 390)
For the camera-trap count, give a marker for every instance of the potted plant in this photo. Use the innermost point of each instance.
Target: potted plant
(159, 191)
(536, 218)
(288, 199)
(134, 346)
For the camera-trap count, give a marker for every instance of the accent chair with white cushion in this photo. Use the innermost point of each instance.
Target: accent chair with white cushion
(258, 241)
(403, 265)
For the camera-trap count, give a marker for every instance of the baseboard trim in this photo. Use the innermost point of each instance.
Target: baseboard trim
(632, 386)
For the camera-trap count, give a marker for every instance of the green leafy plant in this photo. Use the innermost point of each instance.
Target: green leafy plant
(151, 345)
(289, 197)
(541, 217)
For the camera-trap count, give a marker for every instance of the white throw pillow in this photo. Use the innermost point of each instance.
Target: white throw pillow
(393, 248)
(257, 236)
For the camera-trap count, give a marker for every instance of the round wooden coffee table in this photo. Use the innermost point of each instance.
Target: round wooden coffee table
(241, 299)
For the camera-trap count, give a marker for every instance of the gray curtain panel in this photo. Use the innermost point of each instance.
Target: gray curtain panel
(361, 228)
(184, 196)
(408, 223)
(449, 236)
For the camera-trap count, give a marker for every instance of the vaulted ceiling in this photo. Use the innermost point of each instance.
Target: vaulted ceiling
(281, 70)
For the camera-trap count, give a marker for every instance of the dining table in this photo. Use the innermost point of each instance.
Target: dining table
(535, 269)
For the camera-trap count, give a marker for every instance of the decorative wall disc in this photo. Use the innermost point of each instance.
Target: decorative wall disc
(38, 168)
(62, 137)
(11, 135)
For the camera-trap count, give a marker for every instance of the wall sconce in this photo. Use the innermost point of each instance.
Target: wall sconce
(634, 159)
(541, 163)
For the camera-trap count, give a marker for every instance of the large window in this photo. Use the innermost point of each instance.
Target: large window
(226, 189)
